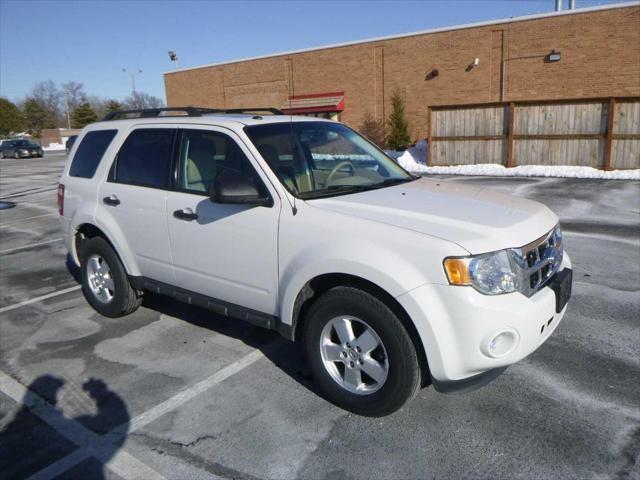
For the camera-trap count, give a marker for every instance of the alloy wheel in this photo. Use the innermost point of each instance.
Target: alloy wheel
(353, 354)
(100, 279)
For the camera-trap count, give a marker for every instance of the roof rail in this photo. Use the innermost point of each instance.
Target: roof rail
(190, 112)
(155, 112)
(271, 110)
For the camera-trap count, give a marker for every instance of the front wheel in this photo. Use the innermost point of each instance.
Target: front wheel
(360, 353)
(104, 280)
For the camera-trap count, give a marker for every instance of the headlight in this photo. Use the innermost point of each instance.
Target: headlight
(525, 269)
(490, 273)
(22, 150)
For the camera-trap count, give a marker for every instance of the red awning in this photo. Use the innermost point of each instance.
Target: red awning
(314, 102)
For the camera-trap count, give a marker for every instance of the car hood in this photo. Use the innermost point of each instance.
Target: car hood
(477, 219)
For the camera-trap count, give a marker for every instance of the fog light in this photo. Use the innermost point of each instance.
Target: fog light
(501, 344)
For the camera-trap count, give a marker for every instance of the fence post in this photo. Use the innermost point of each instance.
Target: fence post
(608, 146)
(429, 136)
(512, 113)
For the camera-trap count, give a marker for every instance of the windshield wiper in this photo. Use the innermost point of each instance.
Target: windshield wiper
(395, 181)
(336, 189)
(341, 189)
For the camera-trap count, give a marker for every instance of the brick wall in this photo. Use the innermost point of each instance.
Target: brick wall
(600, 57)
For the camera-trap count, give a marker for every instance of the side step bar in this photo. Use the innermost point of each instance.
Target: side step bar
(260, 319)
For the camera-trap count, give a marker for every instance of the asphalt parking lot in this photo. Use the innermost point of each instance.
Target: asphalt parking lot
(177, 392)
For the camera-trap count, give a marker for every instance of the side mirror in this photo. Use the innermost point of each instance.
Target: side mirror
(238, 190)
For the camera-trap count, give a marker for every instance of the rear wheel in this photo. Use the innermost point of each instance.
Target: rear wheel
(360, 353)
(104, 280)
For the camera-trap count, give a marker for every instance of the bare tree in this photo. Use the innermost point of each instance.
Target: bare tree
(373, 129)
(74, 94)
(142, 100)
(49, 96)
(98, 104)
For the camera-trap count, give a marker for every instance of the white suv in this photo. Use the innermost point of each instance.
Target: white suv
(301, 225)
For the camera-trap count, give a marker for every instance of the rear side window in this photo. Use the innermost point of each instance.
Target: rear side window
(145, 158)
(90, 152)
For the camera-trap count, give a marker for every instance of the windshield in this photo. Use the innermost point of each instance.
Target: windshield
(318, 159)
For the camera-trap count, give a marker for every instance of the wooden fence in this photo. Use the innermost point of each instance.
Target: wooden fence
(599, 133)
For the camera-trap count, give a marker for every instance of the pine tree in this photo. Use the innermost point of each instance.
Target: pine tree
(399, 138)
(11, 120)
(37, 117)
(113, 106)
(83, 115)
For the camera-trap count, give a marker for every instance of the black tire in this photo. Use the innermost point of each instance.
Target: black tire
(403, 377)
(125, 299)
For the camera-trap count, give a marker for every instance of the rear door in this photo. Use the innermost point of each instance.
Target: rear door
(224, 251)
(133, 200)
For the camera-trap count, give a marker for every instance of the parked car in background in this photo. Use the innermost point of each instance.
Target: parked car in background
(69, 143)
(7, 143)
(22, 149)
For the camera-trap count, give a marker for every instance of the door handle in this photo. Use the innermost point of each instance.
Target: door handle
(185, 214)
(111, 200)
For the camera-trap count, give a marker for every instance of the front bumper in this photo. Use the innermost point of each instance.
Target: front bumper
(457, 325)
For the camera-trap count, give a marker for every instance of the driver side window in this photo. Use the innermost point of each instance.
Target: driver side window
(205, 156)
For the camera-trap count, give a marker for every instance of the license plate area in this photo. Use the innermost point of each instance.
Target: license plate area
(561, 285)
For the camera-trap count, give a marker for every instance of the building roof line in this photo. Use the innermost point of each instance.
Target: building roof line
(485, 23)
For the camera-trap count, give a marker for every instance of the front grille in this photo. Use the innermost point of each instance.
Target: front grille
(540, 260)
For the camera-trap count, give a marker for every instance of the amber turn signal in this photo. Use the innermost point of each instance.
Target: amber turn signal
(457, 271)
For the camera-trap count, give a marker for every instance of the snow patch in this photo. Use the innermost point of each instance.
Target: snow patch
(53, 147)
(414, 160)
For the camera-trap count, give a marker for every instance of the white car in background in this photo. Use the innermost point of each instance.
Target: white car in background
(301, 225)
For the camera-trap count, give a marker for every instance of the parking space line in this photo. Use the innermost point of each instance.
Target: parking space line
(122, 463)
(28, 218)
(40, 298)
(185, 395)
(24, 247)
(68, 462)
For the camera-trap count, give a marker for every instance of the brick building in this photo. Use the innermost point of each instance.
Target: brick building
(578, 54)
(599, 57)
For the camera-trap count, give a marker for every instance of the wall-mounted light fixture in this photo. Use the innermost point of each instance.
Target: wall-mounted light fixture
(432, 74)
(473, 64)
(552, 57)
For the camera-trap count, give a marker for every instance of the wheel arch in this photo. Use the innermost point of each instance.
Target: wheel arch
(89, 230)
(315, 287)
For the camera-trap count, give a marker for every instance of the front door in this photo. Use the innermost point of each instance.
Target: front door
(225, 251)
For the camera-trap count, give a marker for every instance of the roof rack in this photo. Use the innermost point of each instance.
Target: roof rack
(189, 111)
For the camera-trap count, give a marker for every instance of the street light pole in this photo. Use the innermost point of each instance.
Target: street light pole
(132, 74)
(66, 101)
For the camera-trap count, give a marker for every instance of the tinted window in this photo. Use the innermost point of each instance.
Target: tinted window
(205, 156)
(90, 152)
(145, 158)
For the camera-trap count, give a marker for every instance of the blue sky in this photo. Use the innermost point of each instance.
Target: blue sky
(91, 41)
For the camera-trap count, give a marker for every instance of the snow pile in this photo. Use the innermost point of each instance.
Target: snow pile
(415, 158)
(54, 146)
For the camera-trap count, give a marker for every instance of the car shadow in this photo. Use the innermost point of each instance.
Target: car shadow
(288, 356)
